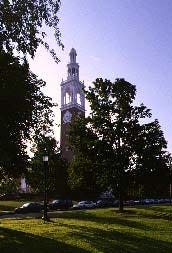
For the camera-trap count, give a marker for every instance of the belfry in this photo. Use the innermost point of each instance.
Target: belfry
(72, 101)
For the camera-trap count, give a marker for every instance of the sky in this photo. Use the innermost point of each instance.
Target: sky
(129, 39)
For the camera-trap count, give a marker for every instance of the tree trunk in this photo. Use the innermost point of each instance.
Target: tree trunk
(121, 191)
(121, 167)
(121, 204)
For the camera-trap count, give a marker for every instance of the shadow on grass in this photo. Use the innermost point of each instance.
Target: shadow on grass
(6, 208)
(10, 205)
(104, 236)
(162, 208)
(19, 242)
(100, 239)
(113, 241)
(107, 220)
(155, 212)
(149, 212)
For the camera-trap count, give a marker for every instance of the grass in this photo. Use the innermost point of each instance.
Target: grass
(10, 205)
(142, 229)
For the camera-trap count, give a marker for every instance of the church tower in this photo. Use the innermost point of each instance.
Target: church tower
(72, 101)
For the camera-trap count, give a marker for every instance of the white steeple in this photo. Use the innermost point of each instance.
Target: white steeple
(72, 94)
(73, 55)
(72, 102)
(73, 67)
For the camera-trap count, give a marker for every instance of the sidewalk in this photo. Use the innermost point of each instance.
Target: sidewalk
(12, 215)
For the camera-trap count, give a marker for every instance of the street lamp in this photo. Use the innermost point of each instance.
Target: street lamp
(170, 185)
(45, 162)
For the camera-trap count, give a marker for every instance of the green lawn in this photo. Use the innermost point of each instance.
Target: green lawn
(10, 205)
(142, 229)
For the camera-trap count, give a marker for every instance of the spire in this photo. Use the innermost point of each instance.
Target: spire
(73, 67)
(73, 55)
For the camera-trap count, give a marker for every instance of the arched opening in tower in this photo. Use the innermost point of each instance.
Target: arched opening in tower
(69, 72)
(78, 98)
(73, 71)
(67, 98)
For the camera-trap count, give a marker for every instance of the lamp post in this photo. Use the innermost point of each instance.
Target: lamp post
(170, 185)
(45, 162)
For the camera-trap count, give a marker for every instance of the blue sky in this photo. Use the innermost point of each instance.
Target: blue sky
(116, 38)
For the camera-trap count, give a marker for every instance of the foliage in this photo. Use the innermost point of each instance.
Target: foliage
(24, 110)
(57, 175)
(9, 185)
(104, 230)
(23, 23)
(82, 178)
(122, 141)
(82, 169)
(24, 107)
(154, 177)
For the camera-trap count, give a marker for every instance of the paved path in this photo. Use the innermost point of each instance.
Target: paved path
(34, 215)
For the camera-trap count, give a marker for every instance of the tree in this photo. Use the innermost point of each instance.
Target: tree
(22, 25)
(82, 169)
(24, 110)
(122, 140)
(152, 170)
(24, 107)
(57, 168)
(8, 184)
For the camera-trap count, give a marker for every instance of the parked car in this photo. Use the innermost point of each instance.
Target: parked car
(31, 207)
(129, 202)
(147, 201)
(62, 204)
(84, 205)
(106, 203)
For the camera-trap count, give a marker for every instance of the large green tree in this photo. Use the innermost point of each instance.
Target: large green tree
(24, 110)
(123, 141)
(152, 160)
(23, 24)
(24, 107)
(57, 168)
(82, 172)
